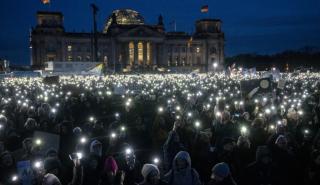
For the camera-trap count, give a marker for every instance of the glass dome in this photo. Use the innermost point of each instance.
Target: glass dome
(124, 17)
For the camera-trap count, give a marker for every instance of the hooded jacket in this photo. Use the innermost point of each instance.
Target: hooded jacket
(187, 176)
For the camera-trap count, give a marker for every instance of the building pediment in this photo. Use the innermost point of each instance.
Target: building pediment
(142, 32)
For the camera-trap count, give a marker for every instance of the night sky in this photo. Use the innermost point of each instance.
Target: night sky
(250, 26)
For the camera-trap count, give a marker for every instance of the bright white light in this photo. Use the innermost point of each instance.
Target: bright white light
(160, 109)
(53, 110)
(37, 164)
(91, 118)
(197, 124)
(272, 127)
(117, 114)
(156, 160)
(300, 112)
(38, 142)
(14, 178)
(113, 135)
(178, 108)
(83, 140)
(123, 128)
(306, 131)
(79, 155)
(243, 130)
(267, 111)
(218, 114)
(128, 151)
(215, 65)
(189, 114)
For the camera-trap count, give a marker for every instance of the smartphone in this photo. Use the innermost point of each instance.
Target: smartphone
(75, 156)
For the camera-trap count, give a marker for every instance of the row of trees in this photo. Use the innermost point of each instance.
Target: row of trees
(307, 57)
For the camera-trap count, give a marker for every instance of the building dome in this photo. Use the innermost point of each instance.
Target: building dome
(124, 17)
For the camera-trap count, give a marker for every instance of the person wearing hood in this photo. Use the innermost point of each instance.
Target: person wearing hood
(261, 171)
(151, 175)
(96, 148)
(50, 179)
(221, 175)
(285, 161)
(92, 170)
(111, 174)
(7, 166)
(182, 172)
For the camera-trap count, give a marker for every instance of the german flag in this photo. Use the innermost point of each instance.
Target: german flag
(204, 9)
(45, 1)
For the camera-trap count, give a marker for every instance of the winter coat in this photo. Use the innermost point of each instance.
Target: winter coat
(188, 176)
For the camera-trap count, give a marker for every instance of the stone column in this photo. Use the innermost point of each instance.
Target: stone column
(154, 53)
(144, 54)
(135, 53)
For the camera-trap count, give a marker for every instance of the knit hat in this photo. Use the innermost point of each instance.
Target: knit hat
(51, 151)
(50, 179)
(221, 169)
(110, 165)
(147, 169)
(51, 163)
(77, 130)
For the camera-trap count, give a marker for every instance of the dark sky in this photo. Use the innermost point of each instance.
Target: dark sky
(250, 26)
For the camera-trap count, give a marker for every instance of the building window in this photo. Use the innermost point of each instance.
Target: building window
(176, 49)
(69, 58)
(183, 61)
(213, 50)
(105, 60)
(79, 58)
(148, 54)
(69, 48)
(198, 49)
(140, 53)
(88, 58)
(183, 49)
(131, 53)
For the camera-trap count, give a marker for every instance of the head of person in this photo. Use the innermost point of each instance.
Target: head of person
(6, 160)
(246, 116)
(52, 165)
(27, 145)
(263, 155)
(220, 171)
(151, 174)
(182, 161)
(30, 124)
(258, 122)
(243, 142)
(228, 144)
(96, 148)
(226, 117)
(51, 152)
(50, 179)
(282, 142)
(110, 168)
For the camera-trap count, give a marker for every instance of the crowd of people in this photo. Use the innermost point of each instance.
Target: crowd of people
(160, 129)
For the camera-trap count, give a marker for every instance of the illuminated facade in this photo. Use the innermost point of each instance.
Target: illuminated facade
(127, 43)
